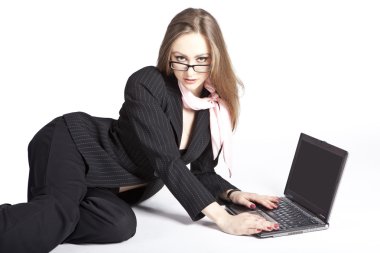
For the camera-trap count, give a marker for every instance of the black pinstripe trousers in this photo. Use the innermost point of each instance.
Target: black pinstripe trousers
(60, 207)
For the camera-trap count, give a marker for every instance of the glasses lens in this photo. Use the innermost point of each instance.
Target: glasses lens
(178, 66)
(202, 68)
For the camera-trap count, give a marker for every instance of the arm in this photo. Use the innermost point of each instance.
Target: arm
(204, 169)
(148, 138)
(243, 224)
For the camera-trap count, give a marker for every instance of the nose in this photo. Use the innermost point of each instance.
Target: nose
(190, 71)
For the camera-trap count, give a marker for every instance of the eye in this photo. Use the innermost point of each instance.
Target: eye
(180, 58)
(202, 59)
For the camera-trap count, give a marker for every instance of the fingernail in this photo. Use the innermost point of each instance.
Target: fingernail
(252, 206)
(276, 226)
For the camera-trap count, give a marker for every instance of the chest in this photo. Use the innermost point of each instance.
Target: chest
(188, 123)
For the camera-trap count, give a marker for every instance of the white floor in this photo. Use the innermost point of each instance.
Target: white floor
(262, 166)
(310, 66)
(163, 225)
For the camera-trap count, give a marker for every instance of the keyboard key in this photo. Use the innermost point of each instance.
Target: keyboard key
(289, 217)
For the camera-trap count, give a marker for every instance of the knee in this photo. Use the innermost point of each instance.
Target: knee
(62, 208)
(123, 227)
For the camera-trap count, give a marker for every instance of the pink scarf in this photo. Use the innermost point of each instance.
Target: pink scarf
(220, 122)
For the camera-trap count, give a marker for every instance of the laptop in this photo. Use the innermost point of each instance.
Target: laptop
(309, 192)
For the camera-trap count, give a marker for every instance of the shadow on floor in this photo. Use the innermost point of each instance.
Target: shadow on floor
(183, 219)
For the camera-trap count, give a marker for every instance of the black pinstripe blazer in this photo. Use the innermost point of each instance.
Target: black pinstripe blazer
(143, 144)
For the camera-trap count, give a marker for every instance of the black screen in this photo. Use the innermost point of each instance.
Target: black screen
(314, 177)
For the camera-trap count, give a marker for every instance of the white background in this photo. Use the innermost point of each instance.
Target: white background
(307, 66)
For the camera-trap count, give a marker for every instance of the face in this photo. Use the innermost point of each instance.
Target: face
(191, 49)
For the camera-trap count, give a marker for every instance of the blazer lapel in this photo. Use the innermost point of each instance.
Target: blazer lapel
(200, 135)
(175, 107)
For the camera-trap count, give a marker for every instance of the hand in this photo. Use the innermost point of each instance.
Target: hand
(241, 224)
(247, 199)
(245, 224)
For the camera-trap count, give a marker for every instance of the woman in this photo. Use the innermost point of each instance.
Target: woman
(86, 172)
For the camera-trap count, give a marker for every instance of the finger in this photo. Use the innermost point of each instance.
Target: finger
(259, 198)
(264, 200)
(268, 204)
(272, 225)
(252, 231)
(274, 199)
(253, 196)
(272, 205)
(260, 223)
(247, 203)
(263, 224)
(256, 218)
(267, 226)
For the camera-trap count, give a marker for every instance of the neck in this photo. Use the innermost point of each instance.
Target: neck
(198, 91)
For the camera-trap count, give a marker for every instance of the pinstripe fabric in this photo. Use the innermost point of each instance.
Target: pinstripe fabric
(203, 169)
(107, 164)
(102, 152)
(143, 144)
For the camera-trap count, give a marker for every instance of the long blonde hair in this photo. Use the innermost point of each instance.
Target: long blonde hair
(222, 75)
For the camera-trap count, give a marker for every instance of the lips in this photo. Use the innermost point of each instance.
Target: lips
(190, 80)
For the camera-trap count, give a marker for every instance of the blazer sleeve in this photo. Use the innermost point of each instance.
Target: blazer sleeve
(147, 136)
(204, 169)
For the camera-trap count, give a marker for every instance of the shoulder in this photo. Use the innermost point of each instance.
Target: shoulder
(147, 73)
(148, 79)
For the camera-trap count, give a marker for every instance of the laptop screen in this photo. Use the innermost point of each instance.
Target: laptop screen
(315, 175)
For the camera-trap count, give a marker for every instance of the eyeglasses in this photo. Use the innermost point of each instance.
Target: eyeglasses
(184, 67)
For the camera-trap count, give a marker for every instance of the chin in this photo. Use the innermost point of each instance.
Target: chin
(194, 88)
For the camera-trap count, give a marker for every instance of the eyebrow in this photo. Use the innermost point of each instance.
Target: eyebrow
(199, 55)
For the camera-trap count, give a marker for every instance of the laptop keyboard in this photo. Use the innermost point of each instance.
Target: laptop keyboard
(289, 216)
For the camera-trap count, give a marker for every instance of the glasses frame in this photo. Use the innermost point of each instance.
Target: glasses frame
(189, 66)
